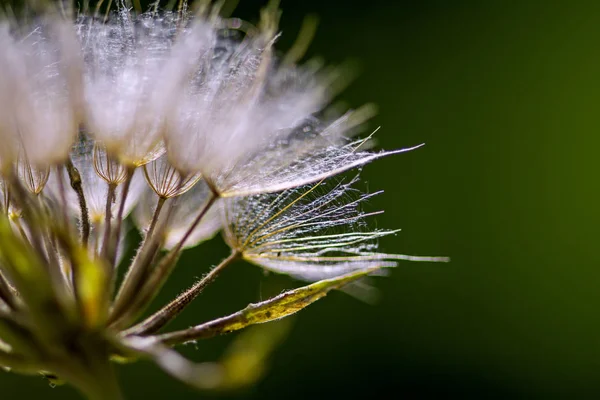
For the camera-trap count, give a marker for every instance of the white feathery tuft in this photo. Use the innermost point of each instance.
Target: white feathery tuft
(41, 88)
(133, 70)
(313, 232)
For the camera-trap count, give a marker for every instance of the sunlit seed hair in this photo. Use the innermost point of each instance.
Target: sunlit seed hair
(33, 178)
(41, 80)
(166, 181)
(108, 167)
(312, 232)
(133, 71)
(96, 170)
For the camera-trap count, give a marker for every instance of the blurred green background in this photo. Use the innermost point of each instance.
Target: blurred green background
(506, 96)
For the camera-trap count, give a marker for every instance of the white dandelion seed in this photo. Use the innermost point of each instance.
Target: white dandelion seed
(311, 233)
(41, 85)
(248, 126)
(133, 68)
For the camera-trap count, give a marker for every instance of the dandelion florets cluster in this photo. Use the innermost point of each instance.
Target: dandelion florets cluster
(194, 125)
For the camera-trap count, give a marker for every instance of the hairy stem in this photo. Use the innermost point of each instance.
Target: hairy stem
(155, 216)
(77, 186)
(137, 269)
(133, 303)
(169, 312)
(6, 294)
(191, 229)
(110, 199)
(63, 197)
(117, 236)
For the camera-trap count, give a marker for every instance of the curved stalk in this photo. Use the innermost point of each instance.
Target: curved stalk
(134, 301)
(169, 312)
(76, 184)
(138, 267)
(110, 199)
(117, 236)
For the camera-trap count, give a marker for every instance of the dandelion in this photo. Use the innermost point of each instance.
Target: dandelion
(193, 124)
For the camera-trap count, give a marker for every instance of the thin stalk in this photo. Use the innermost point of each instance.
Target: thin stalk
(146, 293)
(137, 5)
(77, 186)
(7, 199)
(59, 279)
(51, 250)
(19, 225)
(125, 308)
(63, 197)
(137, 269)
(6, 294)
(95, 241)
(155, 216)
(169, 312)
(110, 199)
(33, 218)
(213, 197)
(117, 236)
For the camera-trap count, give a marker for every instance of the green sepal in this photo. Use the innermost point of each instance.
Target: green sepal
(273, 309)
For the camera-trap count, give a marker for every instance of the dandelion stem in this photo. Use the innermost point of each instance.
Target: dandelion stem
(6, 198)
(191, 229)
(19, 225)
(169, 312)
(117, 236)
(110, 199)
(137, 5)
(95, 238)
(133, 302)
(136, 271)
(51, 250)
(63, 197)
(33, 218)
(155, 216)
(77, 186)
(6, 293)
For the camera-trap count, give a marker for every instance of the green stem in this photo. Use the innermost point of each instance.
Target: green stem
(77, 186)
(169, 312)
(130, 305)
(63, 197)
(136, 271)
(117, 236)
(110, 198)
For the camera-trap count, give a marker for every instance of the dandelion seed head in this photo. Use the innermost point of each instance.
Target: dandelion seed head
(193, 124)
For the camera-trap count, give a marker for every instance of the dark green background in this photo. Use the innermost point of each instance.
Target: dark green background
(506, 95)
